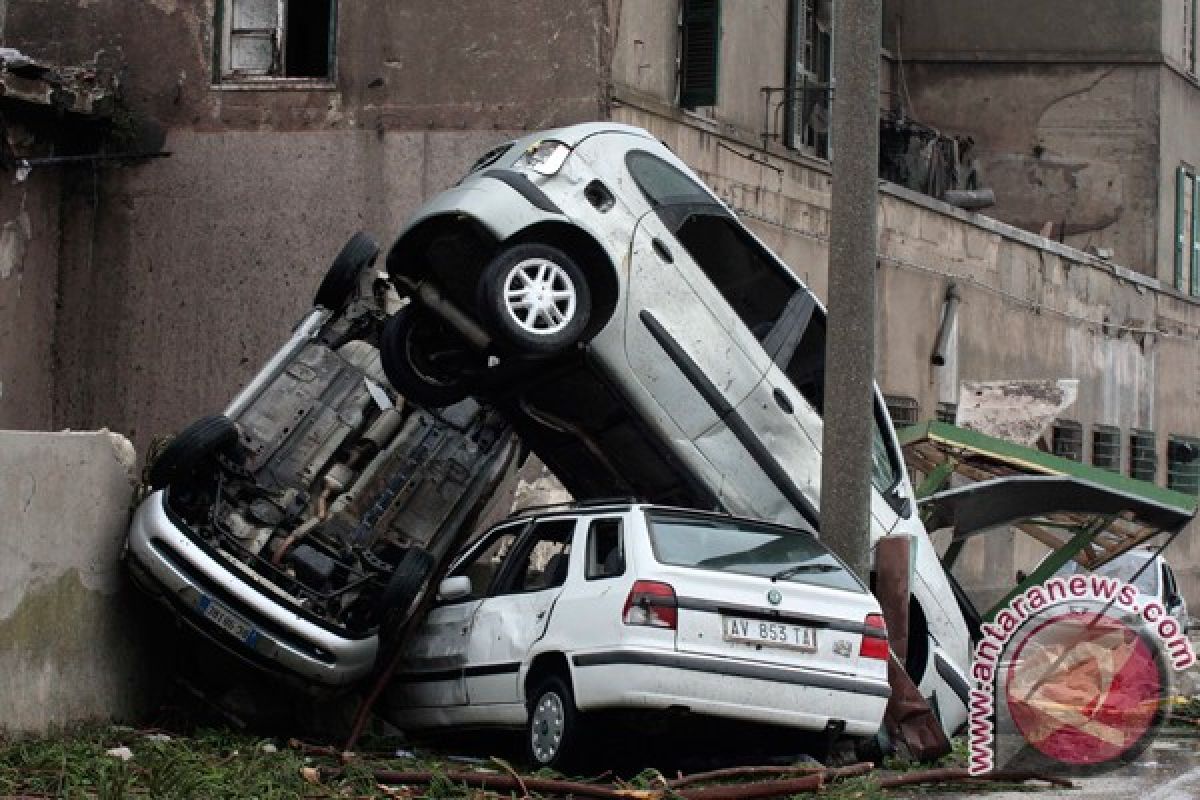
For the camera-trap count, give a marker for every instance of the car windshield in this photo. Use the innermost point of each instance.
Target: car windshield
(1122, 568)
(746, 548)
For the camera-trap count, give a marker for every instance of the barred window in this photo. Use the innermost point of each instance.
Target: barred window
(947, 412)
(1068, 439)
(1106, 447)
(1183, 464)
(1143, 456)
(904, 411)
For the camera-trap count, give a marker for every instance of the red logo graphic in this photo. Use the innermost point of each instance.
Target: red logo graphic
(1085, 688)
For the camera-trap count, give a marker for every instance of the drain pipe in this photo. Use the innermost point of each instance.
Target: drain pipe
(949, 313)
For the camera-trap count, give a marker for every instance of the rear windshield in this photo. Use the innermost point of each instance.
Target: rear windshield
(1123, 568)
(746, 548)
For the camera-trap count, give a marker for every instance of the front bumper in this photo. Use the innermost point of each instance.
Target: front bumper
(640, 678)
(167, 564)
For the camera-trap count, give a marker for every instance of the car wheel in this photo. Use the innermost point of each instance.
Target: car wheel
(194, 446)
(423, 359)
(553, 732)
(341, 279)
(536, 297)
(406, 582)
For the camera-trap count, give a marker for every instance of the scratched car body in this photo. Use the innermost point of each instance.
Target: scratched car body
(559, 613)
(303, 520)
(644, 343)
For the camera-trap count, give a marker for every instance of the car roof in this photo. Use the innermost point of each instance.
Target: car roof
(602, 505)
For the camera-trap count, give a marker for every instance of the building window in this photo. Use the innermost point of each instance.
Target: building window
(1183, 464)
(1068, 439)
(1189, 35)
(700, 40)
(1143, 456)
(276, 39)
(902, 410)
(809, 96)
(947, 412)
(1106, 447)
(1187, 231)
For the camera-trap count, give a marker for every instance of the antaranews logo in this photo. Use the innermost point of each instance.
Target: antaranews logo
(1074, 675)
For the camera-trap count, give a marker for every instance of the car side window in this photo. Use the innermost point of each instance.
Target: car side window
(755, 285)
(605, 549)
(540, 560)
(484, 565)
(1168, 583)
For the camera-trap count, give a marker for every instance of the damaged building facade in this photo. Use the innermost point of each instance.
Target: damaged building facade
(138, 294)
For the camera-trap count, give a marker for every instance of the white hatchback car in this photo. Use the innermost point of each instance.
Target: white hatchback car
(1149, 573)
(554, 614)
(645, 344)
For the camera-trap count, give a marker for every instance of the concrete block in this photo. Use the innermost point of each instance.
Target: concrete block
(71, 640)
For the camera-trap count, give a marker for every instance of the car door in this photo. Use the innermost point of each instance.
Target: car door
(432, 675)
(514, 616)
(681, 339)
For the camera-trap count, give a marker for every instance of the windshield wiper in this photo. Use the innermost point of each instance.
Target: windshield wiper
(796, 570)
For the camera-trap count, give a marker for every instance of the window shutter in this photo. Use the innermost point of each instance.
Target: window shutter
(701, 44)
(1194, 287)
(1180, 190)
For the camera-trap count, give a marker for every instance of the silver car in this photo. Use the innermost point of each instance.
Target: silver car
(298, 524)
(644, 343)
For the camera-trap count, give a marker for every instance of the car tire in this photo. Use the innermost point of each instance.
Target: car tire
(194, 446)
(553, 731)
(405, 583)
(536, 298)
(341, 279)
(413, 368)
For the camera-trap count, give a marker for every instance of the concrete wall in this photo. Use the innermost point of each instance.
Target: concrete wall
(72, 647)
(1075, 146)
(1029, 30)
(1179, 107)
(210, 256)
(29, 238)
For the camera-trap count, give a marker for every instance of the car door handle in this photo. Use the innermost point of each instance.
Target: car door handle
(662, 250)
(782, 400)
(541, 615)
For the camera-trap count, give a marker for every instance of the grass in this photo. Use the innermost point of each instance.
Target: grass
(209, 764)
(218, 763)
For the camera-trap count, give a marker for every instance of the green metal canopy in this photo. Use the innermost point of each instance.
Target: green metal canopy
(974, 483)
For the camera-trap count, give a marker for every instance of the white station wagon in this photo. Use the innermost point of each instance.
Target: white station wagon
(555, 614)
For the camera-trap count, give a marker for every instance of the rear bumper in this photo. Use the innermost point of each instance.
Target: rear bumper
(727, 687)
(167, 564)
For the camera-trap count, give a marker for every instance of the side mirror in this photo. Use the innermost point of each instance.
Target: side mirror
(455, 588)
(1174, 602)
(1021, 576)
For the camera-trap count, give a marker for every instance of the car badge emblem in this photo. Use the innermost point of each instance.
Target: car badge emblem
(843, 648)
(774, 597)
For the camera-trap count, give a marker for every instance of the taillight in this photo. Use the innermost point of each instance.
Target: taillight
(651, 603)
(874, 640)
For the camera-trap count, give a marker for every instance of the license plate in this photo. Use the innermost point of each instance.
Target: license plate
(227, 620)
(772, 634)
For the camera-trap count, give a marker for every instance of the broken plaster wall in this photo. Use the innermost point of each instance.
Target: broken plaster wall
(1068, 148)
(71, 648)
(29, 239)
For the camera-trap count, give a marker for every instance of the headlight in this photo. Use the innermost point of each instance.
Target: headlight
(545, 157)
